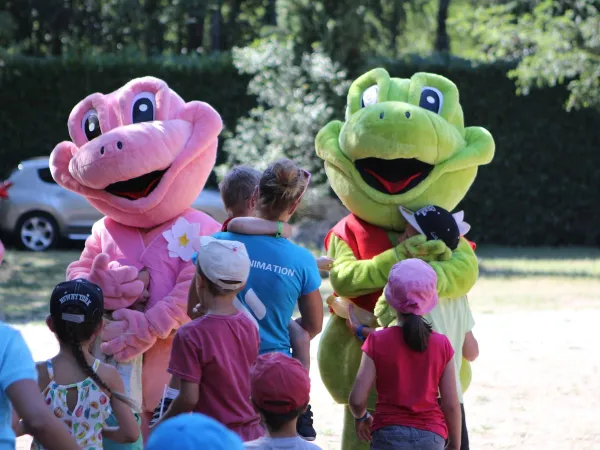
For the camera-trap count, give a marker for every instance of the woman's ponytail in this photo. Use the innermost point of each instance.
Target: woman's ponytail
(416, 332)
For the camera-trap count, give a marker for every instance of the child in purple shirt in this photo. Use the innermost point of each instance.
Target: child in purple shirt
(212, 355)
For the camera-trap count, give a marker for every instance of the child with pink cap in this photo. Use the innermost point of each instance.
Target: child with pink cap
(408, 364)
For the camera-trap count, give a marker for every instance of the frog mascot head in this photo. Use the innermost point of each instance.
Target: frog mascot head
(403, 143)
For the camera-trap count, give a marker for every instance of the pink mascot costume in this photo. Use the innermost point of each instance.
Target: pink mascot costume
(140, 155)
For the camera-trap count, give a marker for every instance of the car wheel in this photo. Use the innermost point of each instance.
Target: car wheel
(37, 232)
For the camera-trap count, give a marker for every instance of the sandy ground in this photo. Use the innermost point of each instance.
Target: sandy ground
(535, 386)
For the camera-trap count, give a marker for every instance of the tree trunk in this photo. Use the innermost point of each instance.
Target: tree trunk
(195, 27)
(215, 29)
(442, 40)
(271, 13)
(232, 35)
(394, 25)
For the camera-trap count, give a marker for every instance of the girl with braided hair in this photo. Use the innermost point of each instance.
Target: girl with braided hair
(80, 390)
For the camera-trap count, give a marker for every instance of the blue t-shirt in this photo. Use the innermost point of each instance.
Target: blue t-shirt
(16, 364)
(280, 273)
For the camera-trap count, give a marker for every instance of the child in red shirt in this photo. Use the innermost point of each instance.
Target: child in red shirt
(408, 364)
(212, 355)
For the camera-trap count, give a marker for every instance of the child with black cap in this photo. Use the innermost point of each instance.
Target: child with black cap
(451, 317)
(80, 390)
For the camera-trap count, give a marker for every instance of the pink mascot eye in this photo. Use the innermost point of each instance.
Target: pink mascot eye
(91, 125)
(143, 108)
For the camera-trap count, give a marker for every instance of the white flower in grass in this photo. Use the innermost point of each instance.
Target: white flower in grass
(183, 239)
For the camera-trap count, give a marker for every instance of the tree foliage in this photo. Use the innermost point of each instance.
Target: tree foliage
(294, 101)
(555, 42)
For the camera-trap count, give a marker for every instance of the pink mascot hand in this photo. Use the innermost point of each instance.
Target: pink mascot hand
(128, 335)
(119, 284)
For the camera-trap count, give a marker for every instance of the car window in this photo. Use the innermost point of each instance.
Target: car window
(46, 176)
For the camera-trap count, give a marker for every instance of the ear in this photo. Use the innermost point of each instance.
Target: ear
(254, 198)
(50, 323)
(60, 160)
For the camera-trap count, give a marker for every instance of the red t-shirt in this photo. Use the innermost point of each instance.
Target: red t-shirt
(216, 352)
(407, 381)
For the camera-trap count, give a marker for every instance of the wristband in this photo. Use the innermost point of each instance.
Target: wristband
(279, 228)
(359, 333)
(363, 418)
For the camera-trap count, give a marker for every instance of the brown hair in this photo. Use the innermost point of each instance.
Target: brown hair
(214, 289)
(276, 421)
(416, 331)
(280, 186)
(238, 186)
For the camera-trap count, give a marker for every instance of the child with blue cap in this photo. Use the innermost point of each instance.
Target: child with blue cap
(192, 432)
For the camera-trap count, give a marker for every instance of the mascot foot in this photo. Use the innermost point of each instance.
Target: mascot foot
(349, 439)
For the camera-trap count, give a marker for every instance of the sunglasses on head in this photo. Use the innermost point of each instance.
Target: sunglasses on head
(306, 175)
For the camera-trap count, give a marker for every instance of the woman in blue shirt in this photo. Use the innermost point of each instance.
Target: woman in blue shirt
(282, 273)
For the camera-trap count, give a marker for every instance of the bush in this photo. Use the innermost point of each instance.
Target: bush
(295, 100)
(37, 95)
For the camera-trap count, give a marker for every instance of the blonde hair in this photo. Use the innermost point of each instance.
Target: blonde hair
(238, 186)
(280, 186)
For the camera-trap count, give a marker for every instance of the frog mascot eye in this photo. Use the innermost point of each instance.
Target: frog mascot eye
(370, 96)
(431, 99)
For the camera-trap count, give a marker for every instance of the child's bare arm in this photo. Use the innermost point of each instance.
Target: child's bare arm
(470, 348)
(300, 343)
(186, 401)
(37, 419)
(254, 225)
(450, 406)
(128, 430)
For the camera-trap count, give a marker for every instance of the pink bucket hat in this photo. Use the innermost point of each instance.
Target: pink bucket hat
(412, 287)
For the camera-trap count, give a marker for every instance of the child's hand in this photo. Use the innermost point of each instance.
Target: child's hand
(363, 429)
(144, 277)
(352, 322)
(325, 263)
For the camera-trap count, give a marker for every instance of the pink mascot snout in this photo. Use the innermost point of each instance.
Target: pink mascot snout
(140, 155)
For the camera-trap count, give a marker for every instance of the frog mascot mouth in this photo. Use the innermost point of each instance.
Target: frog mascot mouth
(403, 143)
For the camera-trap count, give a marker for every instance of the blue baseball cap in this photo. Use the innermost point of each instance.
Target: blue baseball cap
(192, 432)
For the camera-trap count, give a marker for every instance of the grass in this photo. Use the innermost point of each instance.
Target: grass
(511, 280)
(536, 311)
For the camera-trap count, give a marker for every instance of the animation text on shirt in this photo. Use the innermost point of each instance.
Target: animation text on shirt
(403, 143)
(140, 155)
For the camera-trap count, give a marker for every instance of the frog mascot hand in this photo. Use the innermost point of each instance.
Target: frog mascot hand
(403, 144)
(140, 155)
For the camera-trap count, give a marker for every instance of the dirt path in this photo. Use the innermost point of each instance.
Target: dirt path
(535, 386)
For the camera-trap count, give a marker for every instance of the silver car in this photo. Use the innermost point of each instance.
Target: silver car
(39, 212)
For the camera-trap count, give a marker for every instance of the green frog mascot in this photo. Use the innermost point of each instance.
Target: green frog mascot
(403, 143)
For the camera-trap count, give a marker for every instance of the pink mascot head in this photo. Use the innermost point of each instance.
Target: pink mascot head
(140, 155)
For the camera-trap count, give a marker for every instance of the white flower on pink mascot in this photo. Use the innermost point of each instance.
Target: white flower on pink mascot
(140, 155)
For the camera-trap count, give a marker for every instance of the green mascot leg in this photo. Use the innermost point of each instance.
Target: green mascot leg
(339, 357)
(349, 439)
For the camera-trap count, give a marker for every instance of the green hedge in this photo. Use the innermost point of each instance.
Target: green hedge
(541, 189)
(37, 95)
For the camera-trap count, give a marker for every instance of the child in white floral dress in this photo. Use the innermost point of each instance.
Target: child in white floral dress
(79, 389)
